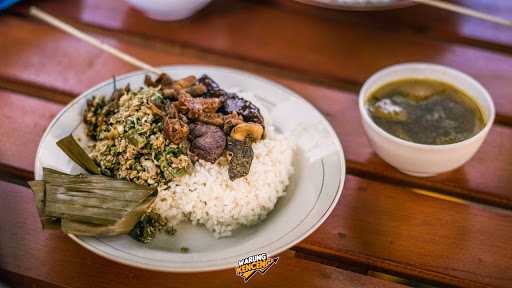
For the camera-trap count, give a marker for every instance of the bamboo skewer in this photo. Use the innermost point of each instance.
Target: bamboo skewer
(465, 11)
(91, 40)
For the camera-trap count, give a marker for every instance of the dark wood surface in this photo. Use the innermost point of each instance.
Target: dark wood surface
(83, 72)
(331, 49)
(444, 230)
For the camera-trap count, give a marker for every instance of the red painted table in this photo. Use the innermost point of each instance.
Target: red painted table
(388, 228)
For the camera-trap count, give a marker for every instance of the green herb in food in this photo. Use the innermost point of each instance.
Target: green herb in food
(148, 227)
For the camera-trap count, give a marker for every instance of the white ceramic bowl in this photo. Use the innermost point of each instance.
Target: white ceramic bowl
(419, 159)
(169, 10)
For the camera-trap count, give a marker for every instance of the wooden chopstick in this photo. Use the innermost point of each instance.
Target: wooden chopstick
(34, 11)
(465, 11)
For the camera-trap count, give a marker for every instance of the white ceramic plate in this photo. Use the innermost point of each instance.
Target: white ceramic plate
(359, 4)
(314, 190)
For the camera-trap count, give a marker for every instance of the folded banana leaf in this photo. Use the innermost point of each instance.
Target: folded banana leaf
(123, 226)
(39, 195)
(74, 151)
(83, 213)
(93, 199)
(37, 187)
(101, 186)
(90, 204)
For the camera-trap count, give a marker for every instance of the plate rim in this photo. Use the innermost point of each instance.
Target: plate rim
(359, 7)
(320, 221)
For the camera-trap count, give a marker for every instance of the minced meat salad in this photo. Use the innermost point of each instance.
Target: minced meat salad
(156, 133)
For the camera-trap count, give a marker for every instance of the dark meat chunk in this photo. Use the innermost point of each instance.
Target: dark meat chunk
(186, 82)
(148, 81)
(170, 93)
(230, 101)
(245, 108)
(240, 162)
(196, 90)
(163, 80)
(207, 141)
(175, 130)
(194, 107)
(211, 118)
(213, 89)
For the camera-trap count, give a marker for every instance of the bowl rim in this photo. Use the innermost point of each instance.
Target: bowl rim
(312, 228)
(365, 90)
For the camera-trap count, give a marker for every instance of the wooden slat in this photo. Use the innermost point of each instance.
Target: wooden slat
(426, 21)
(324, 47)
(19, 280)
(421, 20)
(23, 121)
(392, 225)
(51, 57)
(54, 258)
(376, 224)
(77, 66)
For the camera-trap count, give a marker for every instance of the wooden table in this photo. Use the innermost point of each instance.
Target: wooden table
(388, 228)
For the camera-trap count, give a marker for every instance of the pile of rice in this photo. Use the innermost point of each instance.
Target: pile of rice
(209, 198)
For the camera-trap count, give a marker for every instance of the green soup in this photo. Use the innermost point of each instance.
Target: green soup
(425, 111)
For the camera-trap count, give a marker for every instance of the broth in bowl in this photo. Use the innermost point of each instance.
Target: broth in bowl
(425, 111)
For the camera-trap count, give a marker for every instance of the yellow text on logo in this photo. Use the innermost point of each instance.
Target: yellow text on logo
(247, 267)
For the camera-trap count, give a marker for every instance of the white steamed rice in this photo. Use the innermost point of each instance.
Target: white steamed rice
(208, 197)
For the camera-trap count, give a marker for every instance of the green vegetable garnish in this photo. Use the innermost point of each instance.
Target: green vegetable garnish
(148, 227)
